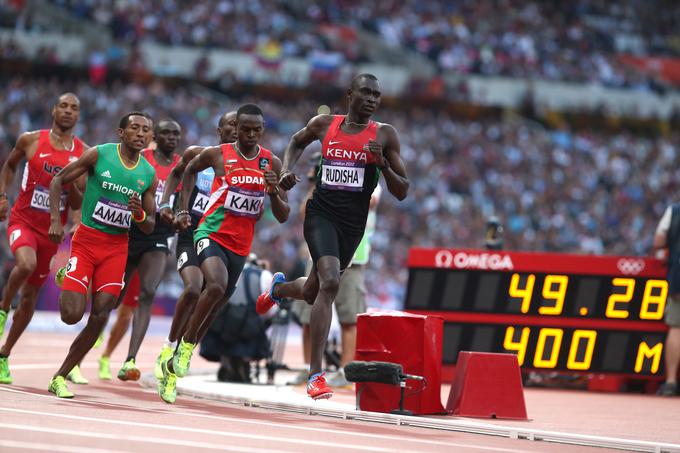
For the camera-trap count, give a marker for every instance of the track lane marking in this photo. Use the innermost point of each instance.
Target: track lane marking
(54, 447)
(200, 430)
(401, 437)
(155, 440)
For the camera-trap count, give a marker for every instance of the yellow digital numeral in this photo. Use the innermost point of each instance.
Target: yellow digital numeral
(543, 335)
(645, 352)
(520, 346)
(522, 293)
(612, 311)
(562, 281)
(590, 336)
(658, 301)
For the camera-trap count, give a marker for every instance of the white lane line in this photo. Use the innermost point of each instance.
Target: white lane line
(166, 427)
(54, 447)
(124, 437)
(35, 366)
(396, 437)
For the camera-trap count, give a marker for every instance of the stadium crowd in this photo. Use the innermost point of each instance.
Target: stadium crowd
(559, 190)
(576, 41)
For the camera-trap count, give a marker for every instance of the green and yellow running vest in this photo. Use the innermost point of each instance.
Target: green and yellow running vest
(109, 187)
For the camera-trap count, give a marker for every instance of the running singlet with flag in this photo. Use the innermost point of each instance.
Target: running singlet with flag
(347, 176)
(236, 201)
(32, 206)
(162, 230)
(109, 187)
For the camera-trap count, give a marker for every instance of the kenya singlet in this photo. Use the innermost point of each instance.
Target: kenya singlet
(162, 230)
(347, 176)
(236, 201)
(109, 187)
(32, 206)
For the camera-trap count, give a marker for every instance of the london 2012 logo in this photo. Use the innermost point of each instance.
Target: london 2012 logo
(630, 266)
(463, 260)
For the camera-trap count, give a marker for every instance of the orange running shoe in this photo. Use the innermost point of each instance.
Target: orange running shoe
(266, 301)
(317, 389)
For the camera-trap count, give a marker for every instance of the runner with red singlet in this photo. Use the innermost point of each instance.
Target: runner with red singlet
(46, 152)
(244, 171)
(355, 151)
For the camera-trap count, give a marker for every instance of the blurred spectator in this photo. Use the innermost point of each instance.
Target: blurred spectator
(564, 191)
(97, 67)
(577, 41)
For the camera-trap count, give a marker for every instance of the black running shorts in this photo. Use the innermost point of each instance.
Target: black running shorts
(326, 238)
(186, 252)
(206, 248)
(138, 247)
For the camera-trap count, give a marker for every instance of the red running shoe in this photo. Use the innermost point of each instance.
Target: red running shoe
(317, 389)
(266, 301)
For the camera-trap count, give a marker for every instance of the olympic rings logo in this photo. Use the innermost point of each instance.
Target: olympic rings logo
(630, 266)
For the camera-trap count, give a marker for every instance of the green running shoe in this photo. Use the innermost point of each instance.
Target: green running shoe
(75, 376)
(59, 388)
(167, 386)
(3, 320)
(60, 275)
(129, 371)
(182, 358)
(5, 377)
(104, 369)
(164, 356)
(100, 340)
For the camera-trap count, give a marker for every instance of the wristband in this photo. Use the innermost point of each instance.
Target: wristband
(164, 205)
(138, 219)
(182, 212)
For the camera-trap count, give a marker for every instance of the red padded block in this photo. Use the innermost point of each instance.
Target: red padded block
(604, 383)
(414, 342)
(487, 385)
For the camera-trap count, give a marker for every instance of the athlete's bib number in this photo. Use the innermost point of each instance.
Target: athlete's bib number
(110, 213)
(243, 202)
(41, 200)
(200, 204)
(342, 175)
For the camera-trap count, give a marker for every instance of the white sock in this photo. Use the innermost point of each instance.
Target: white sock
(169, 344)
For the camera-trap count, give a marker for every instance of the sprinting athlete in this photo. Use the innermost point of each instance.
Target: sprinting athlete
(46, 152)
(355, 151)
(187, 261)
(244, 172)
(145, 252)
(120, 190)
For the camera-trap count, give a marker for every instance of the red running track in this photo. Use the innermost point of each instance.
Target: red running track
(124, 417)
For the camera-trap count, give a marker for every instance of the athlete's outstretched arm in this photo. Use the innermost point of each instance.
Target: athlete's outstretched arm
(67, 175)
(277, 197)
(144, 210)
(314, 130)
(173, 181)
(208, 157)
(9, 168)
(388, 159)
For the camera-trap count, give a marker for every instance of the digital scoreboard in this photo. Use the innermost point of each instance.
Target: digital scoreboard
(572, 313)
